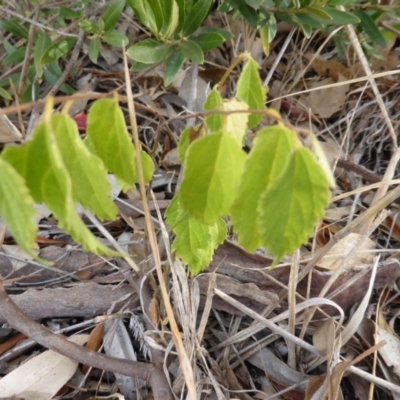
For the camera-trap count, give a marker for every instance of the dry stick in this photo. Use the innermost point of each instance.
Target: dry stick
(31, 38)
(183, 358)
(145, 371)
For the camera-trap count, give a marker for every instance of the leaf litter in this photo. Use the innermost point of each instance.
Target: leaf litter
(311, 328)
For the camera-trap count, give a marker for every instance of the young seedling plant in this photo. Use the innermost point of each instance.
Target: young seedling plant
(273, 195)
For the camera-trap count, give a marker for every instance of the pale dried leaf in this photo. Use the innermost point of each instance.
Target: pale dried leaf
(41, 377)
(390, 352)
(326, 102)
(117, 343)
(334, 258)
(8, 131)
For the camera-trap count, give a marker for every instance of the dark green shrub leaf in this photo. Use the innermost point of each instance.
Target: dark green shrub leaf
(249, 14)
(254, 3)
(197, 14)
(173, 66)
(15, 27)
(207, 29)
(209, 40)
(15, 57)
(192, 51)
(370, 28)
(68, 13)
(145, 14)
(88, 26)
(171, 19)
(57, 50)
(341, 17)
(115, 38)
(112, 13)
(150, 51)
(139, 67)
(4, 94)
(319, 12)
(227, 6)
(94, 49)
(41, 44)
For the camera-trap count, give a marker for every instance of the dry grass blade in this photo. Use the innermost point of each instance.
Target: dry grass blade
(183, 357)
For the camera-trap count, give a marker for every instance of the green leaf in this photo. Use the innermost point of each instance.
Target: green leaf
(227, 6)
(254, 3)
(208, 29)
(4, 94)
(209, 40)
(150, 51)
(157, 11)
(88, 26)
(341, 17)
(194, 242)
(249, 14)
(250, 90)
(318, 11)
(192, 51)
(212, 170)
(67, 13)
(57, 50)
(147, 166)
(184, 143)
(293, 204)
(214, 121)
(39, 162)
(267, 34)
(235, 123)
(115, 38)
(145, 14)
(340, 2)
(15, 57)
(94, 49)
(41, 44)
(197, 14)
(173, 66)
(171, 19)
(90, 185)
(268, 157)
(112, 13)
(370, 28)
(15, 27)
(139, 67)
(16, 207)
(51, 75)
(109, 140)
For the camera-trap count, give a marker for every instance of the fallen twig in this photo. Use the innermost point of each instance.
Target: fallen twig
(145, 371)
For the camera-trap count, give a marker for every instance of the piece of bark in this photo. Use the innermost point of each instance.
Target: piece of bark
(232, 261)
(64, 260)
(86, 299)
